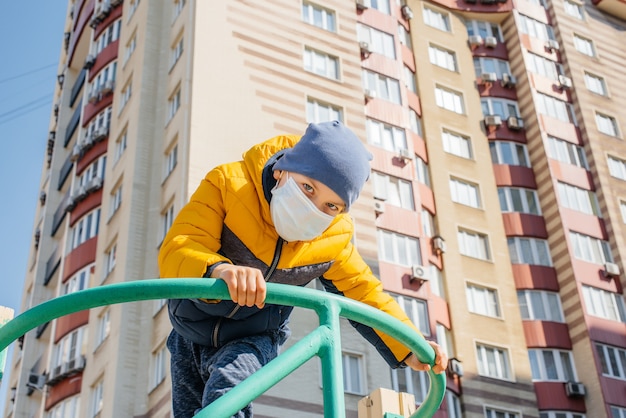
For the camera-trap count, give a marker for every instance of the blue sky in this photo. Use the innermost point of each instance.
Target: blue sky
(33, 36)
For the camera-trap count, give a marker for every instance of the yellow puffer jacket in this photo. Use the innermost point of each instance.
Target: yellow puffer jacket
(228, 220)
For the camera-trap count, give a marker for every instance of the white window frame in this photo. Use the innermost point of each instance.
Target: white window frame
(574, 9)
(388, 137)
(495, 412)
(173, 104)
(540, 305)
(379, 42)
(560, 414)
(509, 153)
(604, 304)
(578, 199)
(77, 282)
(171, 161)
(116, 200)
(465, 193)
(612, 361)
(437, 19)
(549, 365)
(584, 45)
(176, 50)
(617, 167)
(555, 108)
(417, 311)
(348, 373)
(393, 190)
(453, 404)
(97, 397)
(159, 362)
(491, 65)
(543, 66)
(617, 411)
(179, 5)
(511, 197)
(607, 125)
(130, 48)
(590, 249)
(407, 380)
(526, 250)
(167, 219)
(421, 171)
(398, 248)
(449, 99)
(535, 28)
(474, 244)
(595, 84)
(84, 229)
(386, 88)
(457, 144)
(504, 108)
(110, 259)
(327, 17)
(120, 146)
(318, 111)
(501, 361)
(483, 29)
(104, 327)
(442, 57)
(321, 63)
(566, 152)
(482, 300)
(622, 208)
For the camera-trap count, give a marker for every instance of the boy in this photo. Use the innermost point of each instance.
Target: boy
(278, 215)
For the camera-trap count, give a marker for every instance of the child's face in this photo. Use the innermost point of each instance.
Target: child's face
(321, 195)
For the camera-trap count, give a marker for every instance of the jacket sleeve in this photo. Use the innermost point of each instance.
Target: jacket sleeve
(192, 243)
(350, 276)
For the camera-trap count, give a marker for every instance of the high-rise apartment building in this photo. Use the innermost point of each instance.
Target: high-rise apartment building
(495, 212)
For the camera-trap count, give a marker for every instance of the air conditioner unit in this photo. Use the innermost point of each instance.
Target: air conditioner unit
(94, 184)
(365, 48)
(439, 244)
(491, 41)
(419, 273)
(36, 381)
(370, 94)
(552, 45)
(407, 13)
(107, 87)
(475, 41)
(488, 78)
(565, 82)
(80, 194)
(100, 134)
(379, 207)
(76, 365)
(508, 80)
(493, 120)
(515, 123)
(362, 4)
(54, 376)
(611, 270)
(574, 389)
(405, 154)
(103, 11)
(89, 61)
(455, 367)
(94, 96)
(76, 151)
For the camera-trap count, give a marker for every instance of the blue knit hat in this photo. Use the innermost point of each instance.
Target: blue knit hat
(331, 153)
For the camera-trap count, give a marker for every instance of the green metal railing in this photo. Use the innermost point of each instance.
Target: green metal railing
(324, 341)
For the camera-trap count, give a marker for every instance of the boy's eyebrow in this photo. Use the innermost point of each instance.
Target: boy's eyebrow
(340, 204)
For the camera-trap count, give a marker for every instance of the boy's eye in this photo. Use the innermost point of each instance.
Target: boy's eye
(307, 187)
(332, 207)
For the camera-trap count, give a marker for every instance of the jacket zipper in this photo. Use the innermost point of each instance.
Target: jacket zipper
(267, 276)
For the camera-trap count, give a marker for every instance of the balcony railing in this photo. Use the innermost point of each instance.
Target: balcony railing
(324, 341)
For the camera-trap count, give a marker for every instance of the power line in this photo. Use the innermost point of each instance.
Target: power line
(24, 110)
(39, 99)
(27, 73)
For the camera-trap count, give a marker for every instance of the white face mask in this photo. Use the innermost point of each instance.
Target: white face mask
(295, 216)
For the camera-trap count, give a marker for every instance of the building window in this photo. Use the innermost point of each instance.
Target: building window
(622, 208)
(421, 168)
(428, 223)
(130, 48)
(511, 153)
(116, 200)
(386, 88)
(543, 66)
(529, 251)
(456, 144)
(417, 311)
(613, 360)
(560, 414)
(66, 408)
(500, 413)
(449, 100)
(132, 8)
(437, 19)
(386, 136)
(171, 159)
(540, 305)
(178, 7)
(378, 42)
(409, 79)
(617, 167)
(321, 63)
(595, 84)
(604, 304)
(483, 29)
(590, 249)
(607, 124)
(103, 83)
(167, 219)
(491, 65)
(78, 281)
(474, 244)
(353, 374)
(551, 365)
(404, 36)
(415, 122)
(110, 259)
(501, 107)
(517, 199)
(493, 362)
(482, 300)
(126, 92)
(319, 16)
(566, 152)
(618, 412)
(120, 146)
(85, 229)
(575, 198)
(176, 51)
(444, 339)
(108, 36)
(555, 108)
(104, 327)
(393, 190)
(574, 9)
(584, 45)
(97, 400)
(535, 28)
(436, 283)
(317, 111)
(407, 380)
(380, 5)
(68, 349)
(159, 366)
(173, 104)
(454, 405)
(464, 193)
(442, 57)
(398, 249)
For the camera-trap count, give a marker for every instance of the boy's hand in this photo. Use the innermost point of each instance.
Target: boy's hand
(246, 285)
(441, 360)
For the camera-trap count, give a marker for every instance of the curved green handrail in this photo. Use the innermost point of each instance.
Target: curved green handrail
(323, 342)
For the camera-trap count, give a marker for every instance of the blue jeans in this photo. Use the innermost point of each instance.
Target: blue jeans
(201, 374)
